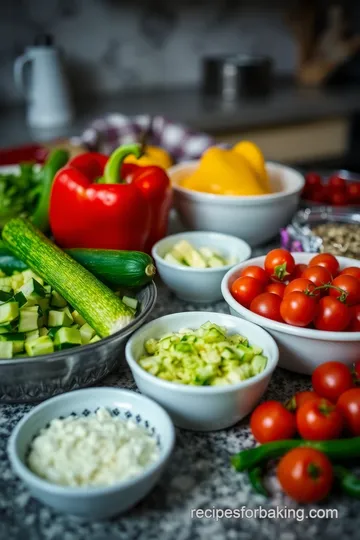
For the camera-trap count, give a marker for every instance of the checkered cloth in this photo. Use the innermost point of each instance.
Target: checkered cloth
(107, 133)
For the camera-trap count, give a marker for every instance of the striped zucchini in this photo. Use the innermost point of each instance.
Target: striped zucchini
(95, 302)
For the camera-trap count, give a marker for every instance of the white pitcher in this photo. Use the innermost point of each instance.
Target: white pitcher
(45, 89)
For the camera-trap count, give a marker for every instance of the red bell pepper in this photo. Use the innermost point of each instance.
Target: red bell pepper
(101, 202)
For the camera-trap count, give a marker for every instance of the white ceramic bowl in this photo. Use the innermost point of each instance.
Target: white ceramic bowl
(202, 408)
(199, 285)
(256, 219)
(92, 502)
(301, 349)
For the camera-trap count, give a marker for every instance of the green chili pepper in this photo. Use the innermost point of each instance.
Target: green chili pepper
(57, 159)
(349, 482)
(256, 479)
(340, 449)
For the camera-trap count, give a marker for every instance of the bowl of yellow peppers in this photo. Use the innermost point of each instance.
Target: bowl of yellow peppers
(234, 191)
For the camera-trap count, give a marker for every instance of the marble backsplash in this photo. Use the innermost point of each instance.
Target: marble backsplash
(112, 45)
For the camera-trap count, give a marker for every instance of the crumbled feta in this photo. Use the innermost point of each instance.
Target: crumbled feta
(97, 450)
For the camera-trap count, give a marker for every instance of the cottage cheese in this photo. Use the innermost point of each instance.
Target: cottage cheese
(97, 450)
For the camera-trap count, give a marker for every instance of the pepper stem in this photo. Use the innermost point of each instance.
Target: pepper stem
(112, 171)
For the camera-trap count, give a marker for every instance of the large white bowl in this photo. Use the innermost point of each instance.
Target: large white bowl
(256, 219)
(200, 285)
(301, 349)
(202, 408)
(92, 502)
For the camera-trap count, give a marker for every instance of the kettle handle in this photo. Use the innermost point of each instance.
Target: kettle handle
(19, 72)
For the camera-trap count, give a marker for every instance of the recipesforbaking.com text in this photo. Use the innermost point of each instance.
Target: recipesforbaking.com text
(299, 514)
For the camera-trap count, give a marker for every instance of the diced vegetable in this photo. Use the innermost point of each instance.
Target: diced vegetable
(86, 333)
(6, 349)
(183, 253)
(28, 320)
(8, 312)
(40, 345)
(66, 338)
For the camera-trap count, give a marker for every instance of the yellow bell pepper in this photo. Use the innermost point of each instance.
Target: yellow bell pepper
(153, 155)
(224, 172)
(256, 160)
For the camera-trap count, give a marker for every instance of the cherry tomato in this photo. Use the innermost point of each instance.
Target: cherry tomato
(312, 179)
(305, 474)
(267, 305)
(353, 192)
(318, 275)
(271, 421)
(354, 325)
(300, 398)
(349, 406)
(338, 198)
(350, 285)
(298, 308)
(245, 289)
(351, 271)
(332, 315)
(331, 379)
(337, 182)
(319, 194)
(328, 261)
(276, 288)
(256, 272)
(279, 263)
(319, 421)
(301, 285)
(299, 268)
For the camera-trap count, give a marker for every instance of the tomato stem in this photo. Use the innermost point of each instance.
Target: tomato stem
(343, 294)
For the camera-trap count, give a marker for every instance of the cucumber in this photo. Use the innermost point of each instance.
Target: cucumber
(95, 302)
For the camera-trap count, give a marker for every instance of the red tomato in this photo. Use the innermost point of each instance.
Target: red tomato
(338, 197)
(328, 261)
(337, 182)
(271, 421)
(318, 275)
(331, 379)
(353, 192)
(305, 474)
(301, 285)
(350, 285)
(319, 421)
(245, 289)
(299, 268)
(279, 263)
(349, 406)
(300, 398)
(276, 288)
(354, 325)
(312, 179)
(319, 194)
(256, 272)
(298, 309)
(332, 315)
(351, 271)
(267, 305)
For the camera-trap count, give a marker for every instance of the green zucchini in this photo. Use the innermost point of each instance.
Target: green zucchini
(95, 302)
(116, 268)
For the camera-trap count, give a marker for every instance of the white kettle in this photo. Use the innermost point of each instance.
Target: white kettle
(44, 85)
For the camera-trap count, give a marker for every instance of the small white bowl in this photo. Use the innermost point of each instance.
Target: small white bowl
(256, 219)
(92, 502)
(301, 349)
(202, 408)
(200, 285)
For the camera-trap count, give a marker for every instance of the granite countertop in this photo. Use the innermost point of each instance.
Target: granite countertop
(285, 105)
(199, 476)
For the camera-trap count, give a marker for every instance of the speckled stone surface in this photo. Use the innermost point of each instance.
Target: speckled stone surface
(199, 476)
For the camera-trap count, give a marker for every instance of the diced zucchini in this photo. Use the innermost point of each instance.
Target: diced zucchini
(6, 349)
(34, 334)
(78, 318)
(52, 331)
(13, 336)
(29, 274)
(28, 320)
(44, 303)
(169, 257)
(66, 338)
(57, 300)
(59, 318)
(43, 331)
(9, 312)
(41, 345)
(47, 290)
(67, 312)
(32, 290)
(5, 282)
(95, 339)
(131, 302)
(86, 333)
(18, 346)
(5, 296)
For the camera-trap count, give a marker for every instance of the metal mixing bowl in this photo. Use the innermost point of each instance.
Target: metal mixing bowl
(40, 377)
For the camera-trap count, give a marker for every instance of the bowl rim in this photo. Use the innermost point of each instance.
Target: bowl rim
(90, 347)
(189, 269)
(310, 333)
(235, 199)
(202, 390)
(33, 479)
